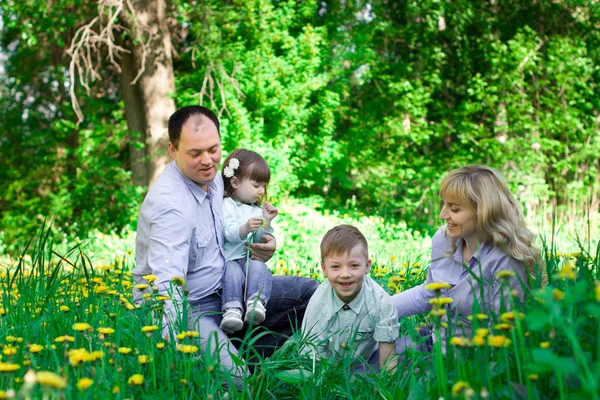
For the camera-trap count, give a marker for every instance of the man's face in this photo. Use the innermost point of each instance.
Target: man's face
(346, 272)
(199, 152)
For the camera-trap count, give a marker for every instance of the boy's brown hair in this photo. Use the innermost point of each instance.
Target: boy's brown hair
(341, 240)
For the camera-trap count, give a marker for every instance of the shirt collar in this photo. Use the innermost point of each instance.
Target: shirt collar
(482, 250)
(199, 193)
(355, 305)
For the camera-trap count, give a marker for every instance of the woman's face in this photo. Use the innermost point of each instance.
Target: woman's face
(459, 218)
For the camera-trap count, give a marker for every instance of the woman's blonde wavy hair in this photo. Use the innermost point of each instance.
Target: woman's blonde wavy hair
(498, 216)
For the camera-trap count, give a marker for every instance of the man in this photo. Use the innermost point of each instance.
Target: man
(180, 237)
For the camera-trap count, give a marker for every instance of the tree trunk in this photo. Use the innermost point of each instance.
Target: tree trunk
(156, 83)
(136, 121)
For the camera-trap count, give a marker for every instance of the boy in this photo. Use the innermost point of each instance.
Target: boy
(350, 311)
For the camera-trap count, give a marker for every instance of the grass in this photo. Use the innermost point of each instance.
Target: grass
(66, 310)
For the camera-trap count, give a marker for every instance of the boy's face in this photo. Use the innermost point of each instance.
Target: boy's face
(346, 272)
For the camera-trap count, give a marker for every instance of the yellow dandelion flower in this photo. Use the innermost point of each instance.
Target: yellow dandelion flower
(9, 367)
(558, 294)
(64, 308)
(178, 281)
(105, 330)
(503, 327)
(160, 345)
(478, 316)
(393, 258)
(441, 300)
(150, 278)
(149, 328)
(438, 312)
(65, 338)
(163, 298)
(510, 316)
(459, 341)
(124, 350)
(143, 359)
(436, 286)
(533, 377)
(183, 382)
(10, 350)
(482, 332)
(81, 326)
(498, 341)
(117, 389)
(505, 274)
(12, 339)
(35, 348)
(187, 348)
(84, 383)
(459, 388)
(141, 286)
(136, 379)
(51, 379)
(568, 272)
(545, 345)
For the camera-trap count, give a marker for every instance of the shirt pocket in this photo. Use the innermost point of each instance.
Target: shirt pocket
(201, 242)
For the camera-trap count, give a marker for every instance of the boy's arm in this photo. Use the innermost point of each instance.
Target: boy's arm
(387, 356)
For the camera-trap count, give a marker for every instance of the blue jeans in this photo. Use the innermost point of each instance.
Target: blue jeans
(285, 311)
(260, 282)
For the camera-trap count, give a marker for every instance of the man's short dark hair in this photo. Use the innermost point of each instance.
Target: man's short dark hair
(181, 116)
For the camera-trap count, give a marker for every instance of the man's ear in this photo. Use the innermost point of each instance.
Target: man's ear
(172, 150)
(368, 265)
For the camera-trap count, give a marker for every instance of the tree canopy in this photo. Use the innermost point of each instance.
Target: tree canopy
(362, 103)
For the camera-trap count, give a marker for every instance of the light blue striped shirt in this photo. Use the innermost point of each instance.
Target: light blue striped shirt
(180, 234)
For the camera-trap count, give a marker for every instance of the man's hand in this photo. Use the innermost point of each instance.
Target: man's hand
(263, 251)
(269, 211)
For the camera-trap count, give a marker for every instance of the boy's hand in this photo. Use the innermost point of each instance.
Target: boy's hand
(253, 224)
(269, 211)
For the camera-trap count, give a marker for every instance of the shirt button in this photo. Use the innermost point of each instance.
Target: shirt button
(347, 330)
(389, 324)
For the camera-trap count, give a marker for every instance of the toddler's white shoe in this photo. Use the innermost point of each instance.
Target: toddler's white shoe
(232, 320)
(255, 312)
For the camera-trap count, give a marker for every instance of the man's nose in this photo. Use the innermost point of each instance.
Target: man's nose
(205, 158)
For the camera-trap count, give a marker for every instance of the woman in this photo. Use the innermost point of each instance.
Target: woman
(484, 252)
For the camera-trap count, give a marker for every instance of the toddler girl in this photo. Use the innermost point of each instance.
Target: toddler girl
(246, 176)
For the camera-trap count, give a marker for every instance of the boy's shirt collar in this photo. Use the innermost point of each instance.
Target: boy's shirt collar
(355, 305)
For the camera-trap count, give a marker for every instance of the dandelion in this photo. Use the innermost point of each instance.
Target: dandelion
(498, 341)
(503, 327)
(505, 274)
(10, 350)
(461, 388)
(143, 359)
(478, 341)
(136, 379)
(392, 258)
(186, 334)
(141, 286)
(459, 341)
(149, 328)
(47, 378)
(568, 272)
(82, 326)
(441, 300)
(178, 281)
(533, 377)
(438, 312)
(482, 332)
(558, 294)
(124, 350)
(160, 345)
(106, 331)
(84, 383)
(545, 345)
(163, 298)
(187, 348)
(35, 348)
(150, 278)
(510, 316)
(9, 367)
(436, 286)
(478, 316)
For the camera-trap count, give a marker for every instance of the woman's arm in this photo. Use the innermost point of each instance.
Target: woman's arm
(387, 356)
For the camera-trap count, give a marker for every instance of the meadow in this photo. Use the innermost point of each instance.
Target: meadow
(68, 328)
